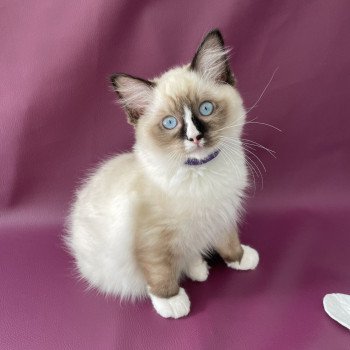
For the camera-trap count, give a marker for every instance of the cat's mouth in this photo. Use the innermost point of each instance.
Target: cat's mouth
(201, 150)
(191, 146)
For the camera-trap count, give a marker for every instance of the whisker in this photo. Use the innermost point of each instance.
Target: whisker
(233, 125)
(252, 174)
(263, 92)
(231, 148)
(254, 165)
(249, 122)
(265, 124)
(238, 173)
(252, 107)
(254, 143)
(229, 159)
(259, 160)
(252, 153)
(253, 148)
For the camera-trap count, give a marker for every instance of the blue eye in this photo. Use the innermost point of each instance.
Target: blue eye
(206, 108)
(169, 122)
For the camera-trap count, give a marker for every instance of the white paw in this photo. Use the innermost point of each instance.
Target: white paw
(175, 307)
(249, 261)
(198, 271)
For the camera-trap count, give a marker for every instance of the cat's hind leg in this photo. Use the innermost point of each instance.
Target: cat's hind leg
(197, 269)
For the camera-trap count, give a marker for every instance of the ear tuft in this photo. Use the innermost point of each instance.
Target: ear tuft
(135, 94)
(211, 60)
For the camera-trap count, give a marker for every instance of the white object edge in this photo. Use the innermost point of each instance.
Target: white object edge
(337, 306)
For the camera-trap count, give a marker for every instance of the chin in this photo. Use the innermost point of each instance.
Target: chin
(200, 152)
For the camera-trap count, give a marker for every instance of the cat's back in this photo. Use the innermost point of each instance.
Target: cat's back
(100, 227)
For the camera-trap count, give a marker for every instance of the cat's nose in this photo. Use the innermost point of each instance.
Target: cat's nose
(196, 139)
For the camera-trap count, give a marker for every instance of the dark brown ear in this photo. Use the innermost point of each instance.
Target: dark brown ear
(134, 93)
(211, 59)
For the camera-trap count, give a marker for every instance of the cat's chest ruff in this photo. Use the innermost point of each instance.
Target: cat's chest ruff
(202, 184)
(204, 212)
(199, 197)
(202, 194)
(201, 202)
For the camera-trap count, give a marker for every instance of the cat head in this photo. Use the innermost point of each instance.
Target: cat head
(186, 112)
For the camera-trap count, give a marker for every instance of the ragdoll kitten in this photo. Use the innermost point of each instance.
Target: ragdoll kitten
(145, 218)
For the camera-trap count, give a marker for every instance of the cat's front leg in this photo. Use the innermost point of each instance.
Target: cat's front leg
(162, 272)
(168, 299)
(236, 255)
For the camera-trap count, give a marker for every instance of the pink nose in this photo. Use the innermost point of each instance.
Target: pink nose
(196, 139)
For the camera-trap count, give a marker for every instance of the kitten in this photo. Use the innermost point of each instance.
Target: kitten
(145, 218)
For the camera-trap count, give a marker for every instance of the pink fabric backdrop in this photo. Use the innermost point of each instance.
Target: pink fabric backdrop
(58, 119)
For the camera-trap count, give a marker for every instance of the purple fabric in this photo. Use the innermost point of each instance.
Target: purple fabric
(58, 119)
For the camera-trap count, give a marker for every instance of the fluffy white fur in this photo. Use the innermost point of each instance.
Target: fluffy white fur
(201, 202)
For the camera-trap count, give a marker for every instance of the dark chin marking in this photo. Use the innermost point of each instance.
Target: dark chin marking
(195, 161)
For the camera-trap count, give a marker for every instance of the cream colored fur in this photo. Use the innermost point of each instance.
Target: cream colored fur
(199, 204)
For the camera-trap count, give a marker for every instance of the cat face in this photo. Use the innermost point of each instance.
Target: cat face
(188, 110)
